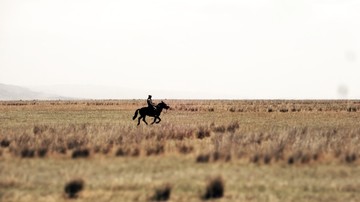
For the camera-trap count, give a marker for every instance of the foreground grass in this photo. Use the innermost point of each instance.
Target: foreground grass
(134, 179)
(266, 150)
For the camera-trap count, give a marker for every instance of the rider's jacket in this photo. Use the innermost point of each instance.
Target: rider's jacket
(150, 103)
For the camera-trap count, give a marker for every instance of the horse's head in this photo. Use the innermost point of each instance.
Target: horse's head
(163, 105)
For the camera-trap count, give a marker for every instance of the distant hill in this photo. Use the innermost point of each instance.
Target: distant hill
(11, 92)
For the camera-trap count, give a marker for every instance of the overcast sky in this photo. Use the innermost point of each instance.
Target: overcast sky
(300, 49)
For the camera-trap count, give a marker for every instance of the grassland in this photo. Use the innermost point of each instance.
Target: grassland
(264, 150)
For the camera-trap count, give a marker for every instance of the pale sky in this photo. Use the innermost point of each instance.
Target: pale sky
(258, 49)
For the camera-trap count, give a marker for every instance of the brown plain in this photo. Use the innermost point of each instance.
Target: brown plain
(263, 150)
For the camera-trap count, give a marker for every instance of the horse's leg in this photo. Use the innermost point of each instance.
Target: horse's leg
(159, 120)
(144, 120)
(154, 120)
(139, 120)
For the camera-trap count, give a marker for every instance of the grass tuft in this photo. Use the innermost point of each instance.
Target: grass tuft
(42, 152)
(80, 153)
(203, 158)
(73, 188)
(202, 133)
(155, 150)
(27, 153)
(4, 143)
(162, 193)
(214, 189)
(350, 158)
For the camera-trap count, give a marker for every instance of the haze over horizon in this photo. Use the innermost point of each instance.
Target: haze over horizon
(261, 49)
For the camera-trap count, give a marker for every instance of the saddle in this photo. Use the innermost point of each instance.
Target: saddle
(152, 108)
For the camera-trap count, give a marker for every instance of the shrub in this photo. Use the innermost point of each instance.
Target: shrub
(267, 159)
(203, 158)
(27, 153)
(350, 158)
(156, 150)
(220, 129)
(162, 193)
(255, 158)
(4, 143)
(80, 153)
(232, 127)
(221, 155)
(121, 152)
(291, 160)
(214, 189)
(217, 155)
(283, 110)
(42, 152)
(73, 187)
(185, 149)
(40, 129)
(74, 143)
(202, 133)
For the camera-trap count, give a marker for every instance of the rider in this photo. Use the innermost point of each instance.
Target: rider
(151, 105)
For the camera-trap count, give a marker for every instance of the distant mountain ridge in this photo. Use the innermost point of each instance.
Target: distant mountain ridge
(12, 92)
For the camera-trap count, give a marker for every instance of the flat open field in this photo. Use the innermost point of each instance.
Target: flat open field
(263, 150)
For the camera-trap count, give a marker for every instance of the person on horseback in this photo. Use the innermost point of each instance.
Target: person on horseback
(150, 103)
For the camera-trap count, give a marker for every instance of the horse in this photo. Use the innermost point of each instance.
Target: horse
(151, 112)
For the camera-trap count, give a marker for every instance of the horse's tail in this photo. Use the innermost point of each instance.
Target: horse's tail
(136, 113)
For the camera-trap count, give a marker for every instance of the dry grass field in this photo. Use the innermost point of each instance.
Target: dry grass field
(224, 150)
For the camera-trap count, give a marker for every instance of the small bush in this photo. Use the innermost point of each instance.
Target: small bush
(40, 129)
(80, 153)
(214, 189)
(203, 158)
(162, 193)
(4, 143)
(202, 133)
(283, 110)
(183, 149)
(73, 187)
(291, 160)
(74, 143)
(121, 152)
(255, 158)
(217, 155)
(42, 152)
(27, 153)
(315, 156)
(156, 150)
(220, 129)
(350, 158)
(221, 155)
(267, 159)
(232, 127)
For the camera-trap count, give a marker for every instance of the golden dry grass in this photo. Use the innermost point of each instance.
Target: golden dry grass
(264, 150)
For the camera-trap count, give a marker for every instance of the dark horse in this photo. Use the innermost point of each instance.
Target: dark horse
(151, 112)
